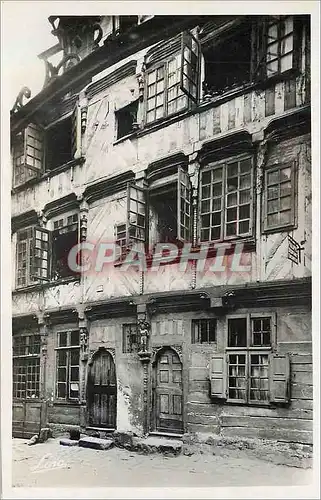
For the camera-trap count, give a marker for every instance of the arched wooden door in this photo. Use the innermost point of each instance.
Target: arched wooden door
(102, 391)
(168, 392)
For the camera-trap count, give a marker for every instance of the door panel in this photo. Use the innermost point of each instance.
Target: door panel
(102, 391)
(169, 393)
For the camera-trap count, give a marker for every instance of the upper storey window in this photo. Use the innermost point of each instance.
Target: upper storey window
(280, 45)
(172, 85)
(38, 149)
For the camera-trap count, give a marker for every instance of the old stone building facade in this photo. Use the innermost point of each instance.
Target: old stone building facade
(191, 133)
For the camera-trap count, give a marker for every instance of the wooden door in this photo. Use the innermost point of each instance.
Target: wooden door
(169, 392)
(102, 391)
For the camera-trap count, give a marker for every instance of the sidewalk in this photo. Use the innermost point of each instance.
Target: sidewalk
(52, 465)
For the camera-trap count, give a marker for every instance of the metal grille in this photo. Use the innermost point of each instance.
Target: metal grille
(203, 331)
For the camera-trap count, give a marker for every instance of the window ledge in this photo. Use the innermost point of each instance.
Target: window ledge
(48, 174)
(132, 135)
(280, 229)
(59, 402)
(41, 286)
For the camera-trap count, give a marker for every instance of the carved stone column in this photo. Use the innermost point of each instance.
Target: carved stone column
(83, 220)
(43, 323)
(193, 170)
(144, 354)
(83, 363)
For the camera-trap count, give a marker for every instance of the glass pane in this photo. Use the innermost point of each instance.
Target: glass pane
(62, 374)
(287, 44)
(231, 214)
(206, 191)
(245, 181)
(237, 333)
(231, 229)
(74, 338)
(216, 205)
(273, 192)
(206, 177)
(286, 62)
(62, 336)
(205, 235)
(62, 358)
(244, 227)
(215, 233)
(285, 217)
(217, 189)
(232, 199)
(216, 219)
(272, 51)
(205, 206)
(61, 390)
(205, 221)
(245, 196)
(74, 374)
(244, 212)
(232, 184)
(151, 77)
(288, 25)
(285, 203)
(245, 166)
(217, 174)
(273, 206)
(273, 220)
(232, 169)
(272, 68)
(285, 189)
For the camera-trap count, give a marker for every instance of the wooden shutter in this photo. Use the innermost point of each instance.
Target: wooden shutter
(190, 66)
(279, 378)
(136, 214)
(218, 375)
(40, 254)
(76, 133)
(184, 205)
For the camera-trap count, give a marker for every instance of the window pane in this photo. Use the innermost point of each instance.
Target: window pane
(231, 214)
(62, 358)
(285, 217)
(62, 375)
(74, 338)
(61, 390)
(231, 229)
(217, 174)
(286, 62)
(206, 177)
(232, 184)
(245, 181)
(74, 357)
(237, 332)
(244, 212)
(273, 220)
(62, 342)
(285, 203)
(232, 199)
(287, 44)
(273, 206)
(232, 170)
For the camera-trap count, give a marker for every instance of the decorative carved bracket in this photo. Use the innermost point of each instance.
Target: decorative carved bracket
(24, 92)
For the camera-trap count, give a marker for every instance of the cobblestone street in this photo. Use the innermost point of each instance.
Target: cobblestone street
(52, 465)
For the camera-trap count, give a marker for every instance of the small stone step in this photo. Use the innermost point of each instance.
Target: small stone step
(95, 443)
(154, 444)
(68, 442)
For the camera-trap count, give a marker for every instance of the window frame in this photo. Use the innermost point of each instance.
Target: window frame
(125, 343)
(68, 349)
(34, 356)
(178, 55)
(252, 202)
(293, 165)
(31, 257)
(249, 350)
(194, 322)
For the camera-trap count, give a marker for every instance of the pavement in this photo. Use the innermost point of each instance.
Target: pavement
(50, 464)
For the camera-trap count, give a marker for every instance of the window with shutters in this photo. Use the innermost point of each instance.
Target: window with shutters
(172, 85)
(278, 44)
(27, 154)
(250, 372)
(32, 256)
(26, 366)
(37, 149)
(67, 365)
(226, 200)
(279, 196)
